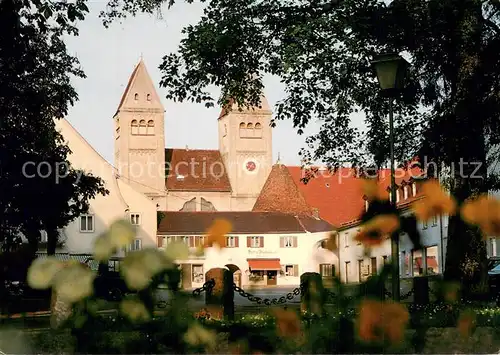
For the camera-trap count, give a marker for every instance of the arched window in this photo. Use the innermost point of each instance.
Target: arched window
(250, 130)
(189, 206)
(207, 205)
(243, 129)
(148, 97)
(151, 127)
(136, 96)
(414, 189)
(142, 127)
(134, 127)
(258, 130)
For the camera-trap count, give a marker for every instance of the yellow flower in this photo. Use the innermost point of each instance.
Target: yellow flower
(377, 229)
(42, 272)
(483, 212)
(199, 336)
(373, 191)
(74, 283)
(331, 242)
(216, 234)
(436, 202)
(103, 248)
(287, 323)
(134, 310)
(466, 323)
(121, 233)
(379, 321)
(177, 251)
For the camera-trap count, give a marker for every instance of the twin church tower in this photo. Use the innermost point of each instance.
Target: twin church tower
(227, 179)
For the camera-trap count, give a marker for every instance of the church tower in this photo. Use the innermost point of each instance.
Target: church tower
(245, 143)
(140, 136)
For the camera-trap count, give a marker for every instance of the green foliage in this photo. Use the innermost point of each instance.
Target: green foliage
(36, 89)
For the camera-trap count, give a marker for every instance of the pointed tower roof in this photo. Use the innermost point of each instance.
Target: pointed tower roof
(233, 106)
(281, 194)
(140, 92)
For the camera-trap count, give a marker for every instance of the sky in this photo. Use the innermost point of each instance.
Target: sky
(108, 57)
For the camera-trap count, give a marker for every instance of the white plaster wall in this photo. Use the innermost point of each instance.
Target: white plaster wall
(306, 255)
(106, 209)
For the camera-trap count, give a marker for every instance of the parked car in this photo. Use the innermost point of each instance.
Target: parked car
(109, 284)
(494, 278)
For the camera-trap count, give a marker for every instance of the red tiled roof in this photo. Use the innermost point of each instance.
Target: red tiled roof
(195, 170)
(339, 196)
(281, 194)
(247, 222)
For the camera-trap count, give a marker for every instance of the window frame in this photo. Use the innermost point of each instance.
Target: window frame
(86, 216)
(136, 214)
(231, 238)
(255, 242)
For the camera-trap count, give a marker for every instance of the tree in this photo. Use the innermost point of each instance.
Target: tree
(321, 50)
(35, 89)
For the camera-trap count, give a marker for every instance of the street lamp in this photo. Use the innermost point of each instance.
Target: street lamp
(391, 74)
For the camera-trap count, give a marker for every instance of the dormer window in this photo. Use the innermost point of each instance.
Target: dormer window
(397, 196)
(405, 192)
(136, 96)
(414, 189)
(148, 97)
(367, 204)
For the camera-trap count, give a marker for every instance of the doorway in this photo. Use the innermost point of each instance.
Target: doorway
(272, 277)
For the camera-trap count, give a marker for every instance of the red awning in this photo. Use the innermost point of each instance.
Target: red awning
(264, 264)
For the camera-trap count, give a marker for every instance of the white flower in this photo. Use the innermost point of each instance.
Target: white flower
(121, 233)
(140, 266)
(103, 248)
(74, 283)
(134, 310)
(177, 251)
(198, 335)
(42, 272)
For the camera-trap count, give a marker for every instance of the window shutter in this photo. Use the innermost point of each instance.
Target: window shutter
(282, 242)
(295, 242)
(227, 242)
(296, 270)
(191, 241)
(236, 242)
(262, 242)
(249, 242)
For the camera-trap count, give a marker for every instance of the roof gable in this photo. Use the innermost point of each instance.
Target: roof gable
(281, 194)
(233, 106)
(140, 83)
(195, 170)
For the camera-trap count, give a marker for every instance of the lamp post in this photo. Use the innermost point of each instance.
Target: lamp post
(391, 75)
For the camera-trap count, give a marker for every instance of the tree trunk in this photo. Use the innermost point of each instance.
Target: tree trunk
(52, 240)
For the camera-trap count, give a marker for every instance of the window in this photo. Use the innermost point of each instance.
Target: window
(361, 271)
(136, 245)
(288, 242)
(148, 97)
(207, 205)
(347, 271)
(87, 223)
(492, 248)
(168, 240)
(258, 130)
(366, 205)
(199, 240)
(425, 224)
(136, 96)
(432, 258)
(346, 239)
(386, 261)
(243, 130)
(189, 206)
(405, 192)
(255, 242)
(134, 127)
(231, 242)
(434, 221)
(150, 131)
(142, 127)
(418, 267)
(405, 267)
(414, 189)
(292, 270)
(198, 276)
(374, 266)
(397, 196)
(326, 270)
(135, 218)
